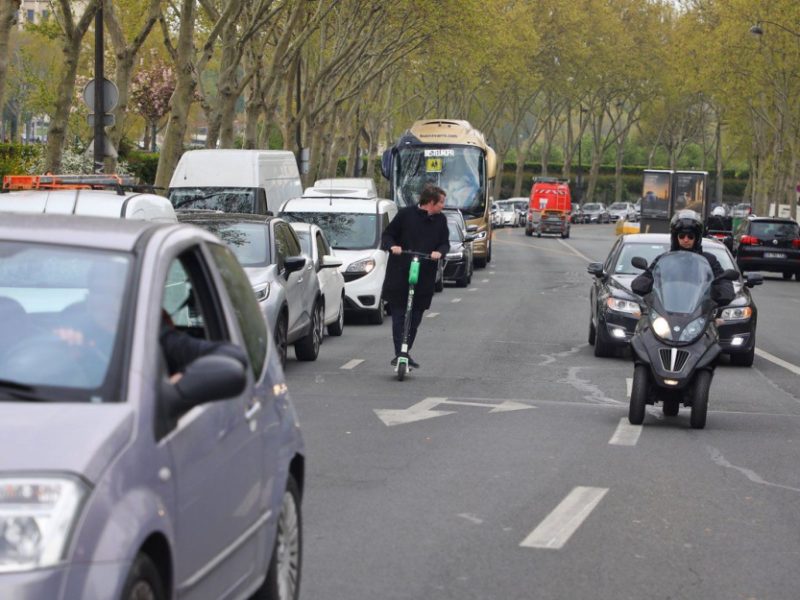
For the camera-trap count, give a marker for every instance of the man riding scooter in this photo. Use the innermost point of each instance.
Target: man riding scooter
(686, 233)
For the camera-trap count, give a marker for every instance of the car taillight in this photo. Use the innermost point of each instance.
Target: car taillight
(719, 236)
(796, 243)
(749, 240)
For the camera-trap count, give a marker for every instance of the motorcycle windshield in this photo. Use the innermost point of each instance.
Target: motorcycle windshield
(682, 281)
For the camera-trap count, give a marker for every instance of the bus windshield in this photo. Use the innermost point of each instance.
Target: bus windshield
(458, 170)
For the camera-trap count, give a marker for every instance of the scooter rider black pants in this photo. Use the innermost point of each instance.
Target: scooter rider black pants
(398, 320)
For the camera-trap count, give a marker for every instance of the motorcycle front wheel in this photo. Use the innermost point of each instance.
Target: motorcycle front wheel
(641, 380)
(701, 385)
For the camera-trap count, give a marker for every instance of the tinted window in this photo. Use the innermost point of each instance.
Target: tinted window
(345, 231)
(248, 241)
(774, 229)
(225, 199)
(248, 314)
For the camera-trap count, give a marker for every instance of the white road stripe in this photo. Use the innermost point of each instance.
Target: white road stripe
(352, 364)
(484, 281)
(431, 315)
(778, 361)
(626, 434)
(472, 290)
(564, 520)
(628, 386)
(454, 300)
(574, 250)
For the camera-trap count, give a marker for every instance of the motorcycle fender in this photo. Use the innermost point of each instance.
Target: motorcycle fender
(640, 355)
(707, 360)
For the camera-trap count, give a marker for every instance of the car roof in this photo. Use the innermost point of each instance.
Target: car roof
(71, 230)
(772, 220)
(84, 202)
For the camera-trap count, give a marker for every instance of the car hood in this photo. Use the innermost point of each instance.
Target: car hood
(350, 256)
(620, 286)
(66, 437)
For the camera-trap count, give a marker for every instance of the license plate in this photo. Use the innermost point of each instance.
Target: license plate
(774, 255)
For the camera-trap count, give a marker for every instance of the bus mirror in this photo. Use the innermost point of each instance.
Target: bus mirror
(491, 163)
(386, 163)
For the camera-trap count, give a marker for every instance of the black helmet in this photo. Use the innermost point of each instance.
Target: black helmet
(686, 221)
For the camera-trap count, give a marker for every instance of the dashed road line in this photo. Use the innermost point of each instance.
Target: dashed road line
(454, 300)
(352, 364)
(431, 315)
(626, 434)
(564, 520)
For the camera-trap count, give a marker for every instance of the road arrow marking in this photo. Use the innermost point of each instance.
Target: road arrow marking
(425, 410)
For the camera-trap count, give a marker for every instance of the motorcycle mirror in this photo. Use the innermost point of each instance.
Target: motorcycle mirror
(730, 275)
(639, 262)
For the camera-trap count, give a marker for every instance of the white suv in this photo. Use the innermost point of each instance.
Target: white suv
(353, 221)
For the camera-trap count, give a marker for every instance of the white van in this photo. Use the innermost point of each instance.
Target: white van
(355, 183)
(353, 221)
(67, 195)
(242, 181)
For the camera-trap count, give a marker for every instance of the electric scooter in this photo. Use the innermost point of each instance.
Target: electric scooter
(675, 346)
(403, 368)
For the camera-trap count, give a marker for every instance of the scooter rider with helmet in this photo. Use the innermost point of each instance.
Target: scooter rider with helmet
(686, 233)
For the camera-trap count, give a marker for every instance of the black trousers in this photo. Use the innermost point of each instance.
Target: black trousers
(398, 322)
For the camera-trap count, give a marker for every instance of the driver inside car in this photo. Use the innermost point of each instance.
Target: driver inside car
(686, 230)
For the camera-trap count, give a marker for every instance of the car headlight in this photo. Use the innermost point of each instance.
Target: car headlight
(37, 515)
(741, 313)
(481, 235)
(692, 330)
(262, 291)
(624, 306)
(660, 326)
(364, 265)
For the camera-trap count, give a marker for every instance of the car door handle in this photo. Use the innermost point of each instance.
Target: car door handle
(252, 410)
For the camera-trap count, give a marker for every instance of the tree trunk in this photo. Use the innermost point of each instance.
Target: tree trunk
(618, 173)
(123, 74)
(498, 181)
(7, 12)
(181, 99)
(719, 189)
(57, 132)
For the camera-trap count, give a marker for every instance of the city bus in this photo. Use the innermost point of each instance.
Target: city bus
(455, 156)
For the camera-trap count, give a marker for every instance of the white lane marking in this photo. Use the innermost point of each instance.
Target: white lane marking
(471, 518)
(574, 250)
(352, 364)
(472, 290)
(628, 386)
(431, 315)
(454, 300)
(626, 434)
(490, 273)
(484, 281)
(564, 520)
(778, 361)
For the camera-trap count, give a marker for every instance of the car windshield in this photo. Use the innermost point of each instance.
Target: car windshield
(61, 316)
(248, 241)
(459, 170)
(345, 231)
(681, 281)
(587, 207)
(774, 229)
(722, 255)
(618, 206)
(454, 230)
(649, 252)
(224, 199)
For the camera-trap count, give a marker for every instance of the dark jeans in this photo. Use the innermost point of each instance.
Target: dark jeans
(398, 321)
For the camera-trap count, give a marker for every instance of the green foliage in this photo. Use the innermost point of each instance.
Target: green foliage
(143, 165)
(17, 159)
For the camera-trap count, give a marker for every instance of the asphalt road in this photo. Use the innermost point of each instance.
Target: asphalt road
(504, 468)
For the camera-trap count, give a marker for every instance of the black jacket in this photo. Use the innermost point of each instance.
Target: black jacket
(413, 229)
(180, 349)
(721, 289)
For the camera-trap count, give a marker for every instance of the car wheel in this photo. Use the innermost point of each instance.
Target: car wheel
(602, 347)
(592, 332)
(670, 408)
(337, 327)
(479, 262)
(744, 359)
(702, 383)
(280, 335)
(285, 565)
(529, 232)
(307, 348)
(489, 253)
(797, 276)
(641, 383)
(375, 317)
(462, 282)
(143, 581)
(787, 275)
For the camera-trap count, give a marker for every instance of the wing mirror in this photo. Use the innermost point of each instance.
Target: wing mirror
(207, 379)
(729, 275)
(639, 262)
(595, 269)
(329, 261)
(470, 237)
(294, 263)
(472, 228)
(753, 279)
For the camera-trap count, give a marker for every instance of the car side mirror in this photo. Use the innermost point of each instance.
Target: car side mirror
(729, 275)
(472, 228)
(207, 379)
(294, 263)
(639, 262)
(753, 279)
(330, 262)
(470, 238)
(595, 269)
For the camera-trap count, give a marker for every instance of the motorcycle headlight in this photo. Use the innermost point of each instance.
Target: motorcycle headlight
(741, 313)
(660, 326)
(261, 291)
(37, 515)
(692, 330)
(624, 306)
(364, 265)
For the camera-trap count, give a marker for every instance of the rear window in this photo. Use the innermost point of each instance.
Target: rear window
(618, 206)
(224, 199)
(774, 229)
(345, 231)
(591, 207)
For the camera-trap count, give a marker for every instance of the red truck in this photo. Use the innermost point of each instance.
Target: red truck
(549, 207)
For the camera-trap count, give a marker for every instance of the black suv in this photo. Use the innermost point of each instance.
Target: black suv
(768, 244)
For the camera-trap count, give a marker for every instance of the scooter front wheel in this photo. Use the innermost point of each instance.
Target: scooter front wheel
(641, 381)
(401, 371)
(702, 383)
